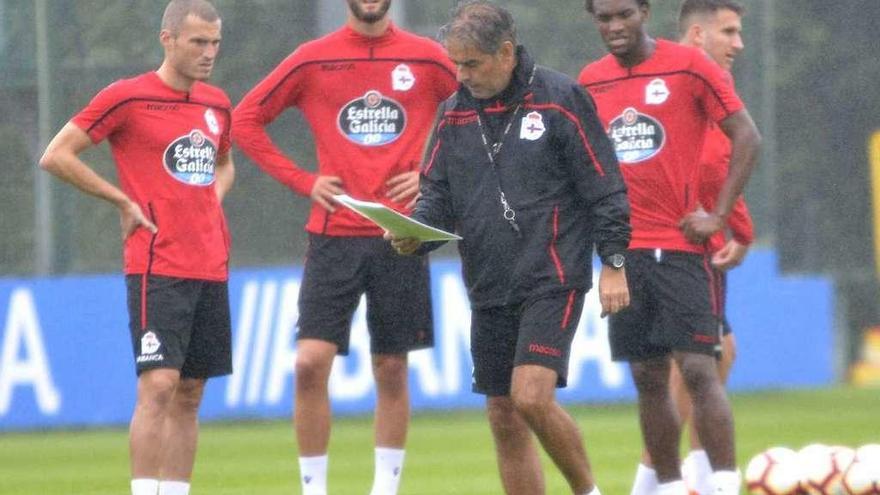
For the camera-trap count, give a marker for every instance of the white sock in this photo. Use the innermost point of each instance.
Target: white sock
(645, 482)
(672, 488)
(726, 482)
(389, 468)
(697, 472)
(144, 486)
(313, 475)
(173, 488)
(594, 491)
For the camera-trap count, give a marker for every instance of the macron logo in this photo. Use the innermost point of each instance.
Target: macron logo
(545, 350)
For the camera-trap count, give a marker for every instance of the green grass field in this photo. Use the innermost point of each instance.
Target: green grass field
(448, 452)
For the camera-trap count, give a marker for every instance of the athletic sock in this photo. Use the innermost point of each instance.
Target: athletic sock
(697, 472)
(144, 486)
(726, 482)
(645, 482)
(672, 488)
(389, 467)
(173, 488)
(594, 491)
(313, 475)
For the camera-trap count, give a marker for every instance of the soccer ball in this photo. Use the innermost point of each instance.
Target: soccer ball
(823, 467)
(774, 472)
(869, 451)
(862, 477)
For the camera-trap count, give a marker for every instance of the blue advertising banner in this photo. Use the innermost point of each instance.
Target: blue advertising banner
(66, 357)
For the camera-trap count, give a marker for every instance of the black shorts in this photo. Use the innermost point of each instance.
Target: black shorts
(339, 270)
(180, 323)
(672, 307)
(536, 332)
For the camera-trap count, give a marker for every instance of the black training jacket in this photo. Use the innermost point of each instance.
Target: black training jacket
(557, 170)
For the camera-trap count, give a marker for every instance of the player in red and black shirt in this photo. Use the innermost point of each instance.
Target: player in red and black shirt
(657, 100)
(714, 26)
(169, 134)
(369, 91)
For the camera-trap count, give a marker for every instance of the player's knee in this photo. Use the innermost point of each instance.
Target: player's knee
(189, 395)
(312, 370)
(503, 417)
(650, 381)
(156, 389)
(531, 402)
(390, 370)
(700, 375)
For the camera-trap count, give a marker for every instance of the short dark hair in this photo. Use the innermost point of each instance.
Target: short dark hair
(588, 4)
(690, 8)
(482, 23)
(178, 10)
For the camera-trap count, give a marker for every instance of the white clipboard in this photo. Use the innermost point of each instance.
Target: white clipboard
(398, 224)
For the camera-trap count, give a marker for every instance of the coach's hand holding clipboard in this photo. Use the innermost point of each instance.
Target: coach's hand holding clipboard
(398, 225)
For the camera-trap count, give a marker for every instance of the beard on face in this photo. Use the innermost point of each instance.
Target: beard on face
(369, 17)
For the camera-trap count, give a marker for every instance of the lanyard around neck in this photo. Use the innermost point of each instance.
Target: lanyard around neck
(492, 152)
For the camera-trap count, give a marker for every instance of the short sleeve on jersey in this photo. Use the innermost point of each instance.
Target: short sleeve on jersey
(226, 135)
(103, 115)
(718, 94)
(446, 82)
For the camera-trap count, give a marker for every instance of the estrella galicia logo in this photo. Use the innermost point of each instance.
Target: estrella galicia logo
(191, 159)
(372, 120)
(636, 136)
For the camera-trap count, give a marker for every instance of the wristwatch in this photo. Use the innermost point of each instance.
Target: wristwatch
(616, 260)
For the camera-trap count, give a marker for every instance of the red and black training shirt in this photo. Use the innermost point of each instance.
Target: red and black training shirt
(166, 144)
(370, 103)
(657, 114)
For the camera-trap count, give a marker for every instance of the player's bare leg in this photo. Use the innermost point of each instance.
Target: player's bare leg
(533, 391)
(712, 416)
(392, 399)
(657, 416)
(311, 417)
(518, 461)
(682, 399)
(728, 356)
(181, 431)
(391, 420)
(679, 391)
(155, 391)
(646, 476)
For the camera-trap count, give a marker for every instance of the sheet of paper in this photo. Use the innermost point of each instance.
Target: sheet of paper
(394, 222)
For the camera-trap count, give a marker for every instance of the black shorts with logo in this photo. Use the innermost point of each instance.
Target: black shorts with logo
(536, 332)
(339, 270)
(672, 306)
(180, 323)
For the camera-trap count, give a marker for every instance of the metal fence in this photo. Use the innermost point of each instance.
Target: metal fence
(84, 45)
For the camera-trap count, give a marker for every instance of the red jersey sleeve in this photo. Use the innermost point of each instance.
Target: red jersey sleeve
(446, 85)
(278, 91)
(740, 223)
(226, 136)
(104, 114)
(715, 88)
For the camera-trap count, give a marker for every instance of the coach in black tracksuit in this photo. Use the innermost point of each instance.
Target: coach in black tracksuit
(519, 165)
